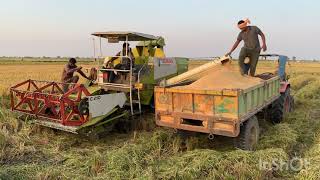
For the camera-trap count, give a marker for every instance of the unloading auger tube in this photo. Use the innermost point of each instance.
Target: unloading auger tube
(194, 73)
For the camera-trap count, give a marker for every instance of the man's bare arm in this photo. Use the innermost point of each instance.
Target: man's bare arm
(264, 45)
(82, 74)
(71, 70)
(114, 58)
(131, 55)
(235, 45)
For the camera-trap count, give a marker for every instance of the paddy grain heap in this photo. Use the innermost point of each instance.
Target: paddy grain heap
(224, 77)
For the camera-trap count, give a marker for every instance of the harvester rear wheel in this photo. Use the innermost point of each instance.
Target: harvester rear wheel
(249, 135)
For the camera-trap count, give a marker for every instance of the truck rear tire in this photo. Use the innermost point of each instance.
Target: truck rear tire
(291, 103)
(249, 135)
(281, 106)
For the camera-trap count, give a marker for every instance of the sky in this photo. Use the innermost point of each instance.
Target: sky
(191, 28)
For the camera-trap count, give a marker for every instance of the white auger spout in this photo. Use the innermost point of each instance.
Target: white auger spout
(195, 73)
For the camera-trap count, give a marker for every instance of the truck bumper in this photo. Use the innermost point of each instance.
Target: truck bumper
(198, 123)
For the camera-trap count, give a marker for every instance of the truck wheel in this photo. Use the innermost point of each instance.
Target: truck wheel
(152, 106)
(249, 135)
(281, 106)
(291, 103)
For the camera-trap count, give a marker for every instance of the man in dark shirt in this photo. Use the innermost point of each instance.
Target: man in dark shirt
(67, 74)
(126, 56)
(251, 48)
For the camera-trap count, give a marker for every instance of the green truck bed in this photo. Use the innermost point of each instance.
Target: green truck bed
(213, 111)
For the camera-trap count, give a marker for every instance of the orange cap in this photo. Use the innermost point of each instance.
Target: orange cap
(244, 24)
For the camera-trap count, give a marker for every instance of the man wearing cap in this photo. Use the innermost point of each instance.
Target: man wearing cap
(67, 74)
(251, 48)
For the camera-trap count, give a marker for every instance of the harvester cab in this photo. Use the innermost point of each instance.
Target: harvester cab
(135, 71)
(123, 72)
(124, 84)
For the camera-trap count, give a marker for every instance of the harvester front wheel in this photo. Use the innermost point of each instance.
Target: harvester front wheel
(249, 135)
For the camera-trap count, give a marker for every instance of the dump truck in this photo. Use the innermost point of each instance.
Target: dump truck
(99, 105)
(216, 100)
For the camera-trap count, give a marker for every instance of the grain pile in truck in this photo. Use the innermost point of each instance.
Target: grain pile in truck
(223, 77)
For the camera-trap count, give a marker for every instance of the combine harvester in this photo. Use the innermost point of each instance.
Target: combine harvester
(102, 105)
(216, 99)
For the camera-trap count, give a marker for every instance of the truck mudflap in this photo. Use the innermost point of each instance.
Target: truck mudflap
(199, 123)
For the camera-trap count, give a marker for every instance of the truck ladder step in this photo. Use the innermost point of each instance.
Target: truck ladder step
(117, 87)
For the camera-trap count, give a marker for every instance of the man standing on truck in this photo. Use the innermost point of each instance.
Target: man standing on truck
(67, 74)
(251, 48)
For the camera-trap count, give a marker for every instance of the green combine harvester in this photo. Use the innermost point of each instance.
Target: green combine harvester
(99, 105)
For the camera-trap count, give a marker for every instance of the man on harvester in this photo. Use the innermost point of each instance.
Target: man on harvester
(125, 56)
(251, 48)
(67, 74)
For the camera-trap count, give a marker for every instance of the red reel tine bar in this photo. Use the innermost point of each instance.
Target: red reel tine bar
(47, 101)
